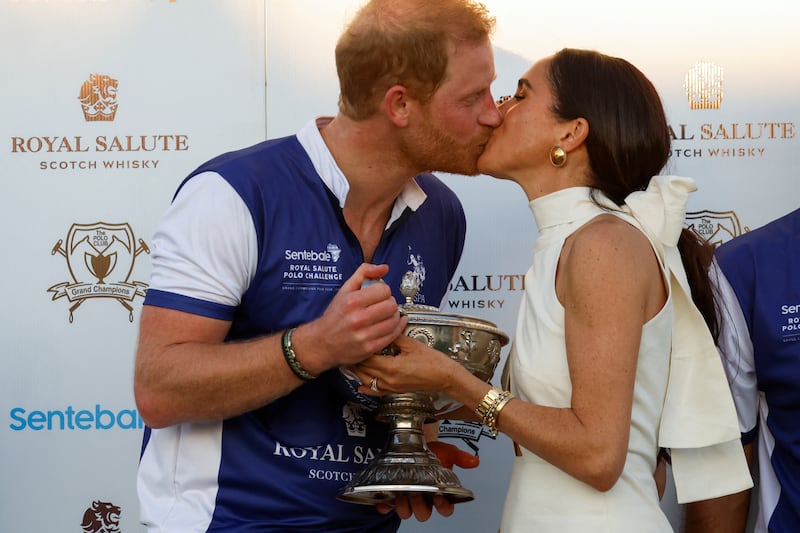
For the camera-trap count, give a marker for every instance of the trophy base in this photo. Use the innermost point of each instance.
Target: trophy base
(391, 476)
(375, 494)
(407, 465)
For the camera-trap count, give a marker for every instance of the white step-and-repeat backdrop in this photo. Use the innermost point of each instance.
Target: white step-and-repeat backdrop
(105, 105)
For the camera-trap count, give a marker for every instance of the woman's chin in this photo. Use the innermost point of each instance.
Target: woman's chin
(492, 171)
(484, 167)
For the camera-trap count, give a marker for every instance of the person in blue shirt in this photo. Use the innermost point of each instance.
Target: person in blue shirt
(758, 281)
(262, 286)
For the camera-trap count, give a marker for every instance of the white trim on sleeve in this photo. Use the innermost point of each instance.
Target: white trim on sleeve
(736, 350)
(205, 246)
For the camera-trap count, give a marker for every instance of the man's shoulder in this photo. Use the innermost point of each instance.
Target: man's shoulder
(282, 147)
(772, 234)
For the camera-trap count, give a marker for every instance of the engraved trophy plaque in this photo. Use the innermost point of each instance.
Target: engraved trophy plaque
(406, 465)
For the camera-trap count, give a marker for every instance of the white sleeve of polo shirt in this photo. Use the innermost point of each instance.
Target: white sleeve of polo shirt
(205, 246)
(736, 351)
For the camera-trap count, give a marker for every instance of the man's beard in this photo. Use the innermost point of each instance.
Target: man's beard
(434, 150)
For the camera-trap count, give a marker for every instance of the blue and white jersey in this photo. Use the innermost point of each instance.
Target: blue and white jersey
(257, 237)
(760, 347)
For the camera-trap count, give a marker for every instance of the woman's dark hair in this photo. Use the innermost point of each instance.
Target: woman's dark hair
(629, 139)
(697, 255)
(628, 142)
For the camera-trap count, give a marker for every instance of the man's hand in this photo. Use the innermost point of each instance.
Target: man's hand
(362, 319)
(451, 455)
(421, 505)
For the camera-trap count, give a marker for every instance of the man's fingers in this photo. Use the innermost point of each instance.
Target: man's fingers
(383, 508)
(443, 506)
(450, 455)
(422, 506)
(403, 507)
(365, 275)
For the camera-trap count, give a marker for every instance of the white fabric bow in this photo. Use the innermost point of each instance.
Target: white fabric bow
(699, 423)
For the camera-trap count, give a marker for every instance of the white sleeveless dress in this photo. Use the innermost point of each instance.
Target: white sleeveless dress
(542, 498)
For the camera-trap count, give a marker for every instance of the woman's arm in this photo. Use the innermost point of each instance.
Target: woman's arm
(610, 284)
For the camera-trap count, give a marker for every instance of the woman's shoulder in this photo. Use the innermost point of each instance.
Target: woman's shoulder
(607, 247)
(611, 261)
(611, 234)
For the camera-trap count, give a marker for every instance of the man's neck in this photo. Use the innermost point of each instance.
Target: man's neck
(368, 157)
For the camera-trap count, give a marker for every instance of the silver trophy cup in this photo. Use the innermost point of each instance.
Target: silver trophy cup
(406, 464)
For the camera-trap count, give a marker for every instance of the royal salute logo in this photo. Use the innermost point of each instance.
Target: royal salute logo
(100, 259)
(96, 145)
(101, 517)
(722, 139)
(483, 291)
(715, 227)
(703, 85)
(98, 97)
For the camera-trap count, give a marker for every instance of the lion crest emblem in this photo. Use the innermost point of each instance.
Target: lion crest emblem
(98, 98)
(101, 517)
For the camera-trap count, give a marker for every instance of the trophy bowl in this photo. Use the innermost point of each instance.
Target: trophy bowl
(406, 464)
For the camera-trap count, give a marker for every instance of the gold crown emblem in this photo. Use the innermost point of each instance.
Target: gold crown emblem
(703, 84)
(98, 98)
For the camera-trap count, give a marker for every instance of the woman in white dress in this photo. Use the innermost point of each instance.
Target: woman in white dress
(610, 359)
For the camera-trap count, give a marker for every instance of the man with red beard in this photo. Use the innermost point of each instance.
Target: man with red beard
(261, 285)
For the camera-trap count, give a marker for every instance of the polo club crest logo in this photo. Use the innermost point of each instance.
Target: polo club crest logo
(100, 259)
(715, 227)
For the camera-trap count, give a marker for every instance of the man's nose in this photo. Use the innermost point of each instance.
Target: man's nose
(492, 115)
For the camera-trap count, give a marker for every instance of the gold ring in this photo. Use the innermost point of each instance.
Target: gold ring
(373, 385)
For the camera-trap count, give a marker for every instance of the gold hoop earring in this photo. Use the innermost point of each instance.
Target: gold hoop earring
(558, 157)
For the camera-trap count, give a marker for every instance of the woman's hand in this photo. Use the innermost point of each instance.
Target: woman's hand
(416, 368)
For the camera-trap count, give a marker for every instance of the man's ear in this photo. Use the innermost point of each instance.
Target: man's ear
(575, 135)
(396, 104)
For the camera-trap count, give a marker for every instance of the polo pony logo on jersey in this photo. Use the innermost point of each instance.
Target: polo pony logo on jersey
(101, 517)
(100, 259)
(715, 227)
(703, 85)
(418, 268)
(98, 98)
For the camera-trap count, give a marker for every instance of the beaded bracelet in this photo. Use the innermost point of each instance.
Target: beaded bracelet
(490, 406)
(291, 358)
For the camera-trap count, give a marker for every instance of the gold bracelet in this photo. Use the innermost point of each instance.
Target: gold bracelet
(485, 405)
(490, 406)
(291, 358)
(492, 425)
